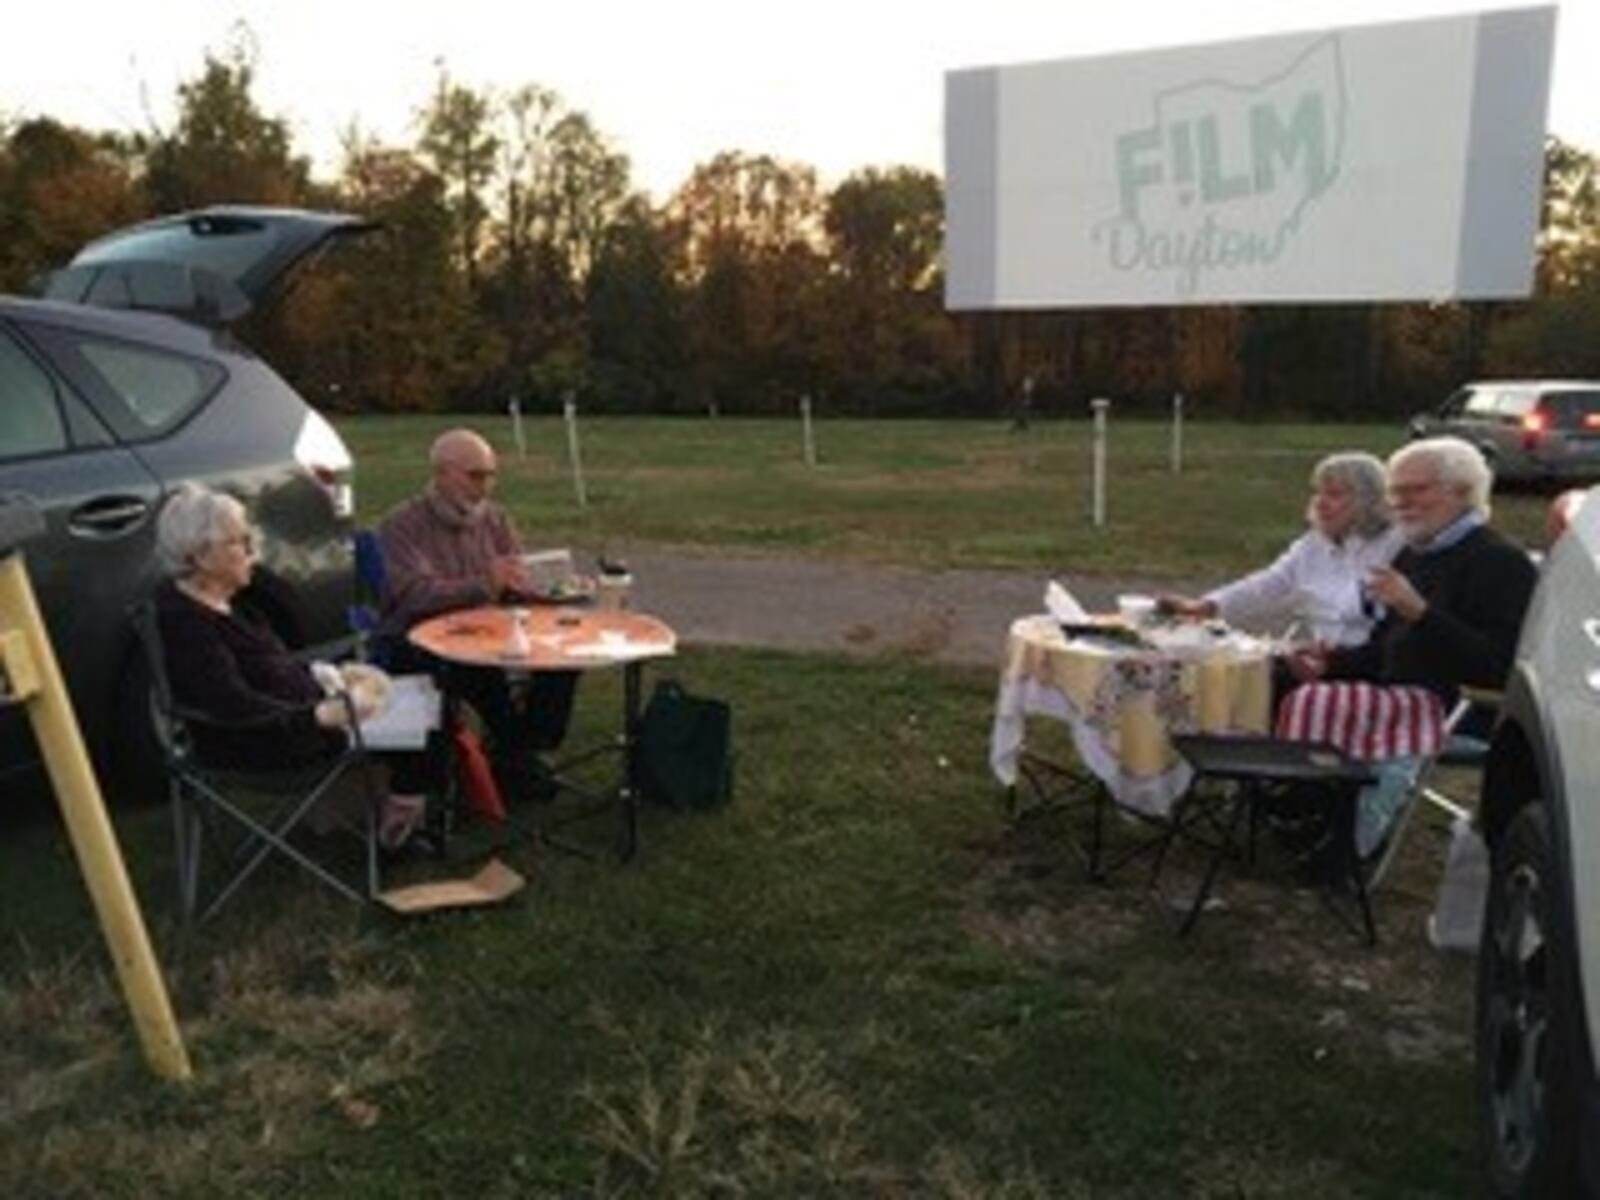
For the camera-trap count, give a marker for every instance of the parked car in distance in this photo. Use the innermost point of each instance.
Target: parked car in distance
(1530, 431)
(124, 381)
(1538, 988)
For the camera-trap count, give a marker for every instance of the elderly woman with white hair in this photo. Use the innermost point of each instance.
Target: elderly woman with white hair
(222, 662)
(1452, 603)
(1318, 580)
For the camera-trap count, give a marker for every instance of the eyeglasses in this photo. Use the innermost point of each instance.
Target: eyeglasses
(479, 474)
(245, 541)
(1405, 491)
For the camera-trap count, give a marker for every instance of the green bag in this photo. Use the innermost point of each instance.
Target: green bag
(685, 749)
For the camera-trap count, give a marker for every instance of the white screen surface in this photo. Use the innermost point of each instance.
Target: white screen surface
(1382, 162)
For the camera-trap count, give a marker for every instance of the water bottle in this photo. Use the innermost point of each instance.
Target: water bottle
(518, 643)
(1457, 918)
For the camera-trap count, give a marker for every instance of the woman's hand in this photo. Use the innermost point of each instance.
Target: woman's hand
(1183, 606)
(1309, 663)
(1394, 591)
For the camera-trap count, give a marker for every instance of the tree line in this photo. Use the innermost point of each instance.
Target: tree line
(517, 259)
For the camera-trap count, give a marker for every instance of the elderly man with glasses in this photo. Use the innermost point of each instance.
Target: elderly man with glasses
(453, 547)
(1452, 604)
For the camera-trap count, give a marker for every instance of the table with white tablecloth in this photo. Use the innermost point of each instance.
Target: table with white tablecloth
(1122, 702)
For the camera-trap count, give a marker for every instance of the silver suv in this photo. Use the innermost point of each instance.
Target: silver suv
(125, 381)
(1530, 431)
(1538, 1001)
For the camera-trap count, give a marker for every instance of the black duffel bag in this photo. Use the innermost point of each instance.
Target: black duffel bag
(685, 749)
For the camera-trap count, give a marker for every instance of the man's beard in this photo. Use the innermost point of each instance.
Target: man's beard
(458, 512)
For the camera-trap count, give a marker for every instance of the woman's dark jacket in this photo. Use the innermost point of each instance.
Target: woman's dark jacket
(238, 673)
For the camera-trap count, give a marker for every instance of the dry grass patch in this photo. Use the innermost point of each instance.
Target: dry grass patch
(286, 1032)
(765, 1113)
(1401, 999)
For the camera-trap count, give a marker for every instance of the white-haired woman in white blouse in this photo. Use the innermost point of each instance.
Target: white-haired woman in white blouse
(1320, 580)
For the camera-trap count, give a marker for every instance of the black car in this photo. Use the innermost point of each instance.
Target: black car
(124, 381)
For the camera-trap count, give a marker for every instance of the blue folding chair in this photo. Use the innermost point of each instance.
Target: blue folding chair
(364, 615)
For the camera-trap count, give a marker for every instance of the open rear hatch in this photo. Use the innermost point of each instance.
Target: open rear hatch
(212, 266)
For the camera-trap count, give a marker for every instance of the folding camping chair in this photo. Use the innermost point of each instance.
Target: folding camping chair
(241, 818)
(1289, 780)
(363, 614)
(1466, 747)
(1284, 786)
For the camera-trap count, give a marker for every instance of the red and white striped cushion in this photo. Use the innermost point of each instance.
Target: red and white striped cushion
(1365, 720)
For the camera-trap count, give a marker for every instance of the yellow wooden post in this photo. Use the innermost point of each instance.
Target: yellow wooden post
(33, 678)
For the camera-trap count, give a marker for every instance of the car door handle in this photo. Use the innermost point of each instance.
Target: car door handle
(108, 515)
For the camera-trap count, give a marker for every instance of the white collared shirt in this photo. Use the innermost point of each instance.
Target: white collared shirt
(1316, 581)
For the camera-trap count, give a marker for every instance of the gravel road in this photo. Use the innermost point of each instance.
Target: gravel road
(955, 616)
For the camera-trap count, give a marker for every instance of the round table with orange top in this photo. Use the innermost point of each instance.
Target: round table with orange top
(562, 638)
(554, 637)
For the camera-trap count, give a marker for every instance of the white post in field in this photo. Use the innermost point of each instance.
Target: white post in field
(1177, 433)
(805, 426)
(1099, 405)
(515, 409)
(569, 408)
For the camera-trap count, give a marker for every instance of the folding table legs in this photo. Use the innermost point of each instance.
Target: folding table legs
(1345, 864)
(1059, 788)
(624, 795)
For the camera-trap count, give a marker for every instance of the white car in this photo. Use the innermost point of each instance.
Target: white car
(1538, 1002)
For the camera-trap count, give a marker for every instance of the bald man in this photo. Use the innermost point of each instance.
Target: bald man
(453, 547)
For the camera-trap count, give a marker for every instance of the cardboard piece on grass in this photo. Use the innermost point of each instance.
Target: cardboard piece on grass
(493, 884)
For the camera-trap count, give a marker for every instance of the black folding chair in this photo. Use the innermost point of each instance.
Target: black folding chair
(240, 817)
(1281, 786)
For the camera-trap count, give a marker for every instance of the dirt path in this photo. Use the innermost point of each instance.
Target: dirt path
(955, 616)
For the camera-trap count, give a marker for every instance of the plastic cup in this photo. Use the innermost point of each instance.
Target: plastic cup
(611, 592)
(1136, 610)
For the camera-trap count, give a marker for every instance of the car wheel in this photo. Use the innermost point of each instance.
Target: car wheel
(1527, 1036)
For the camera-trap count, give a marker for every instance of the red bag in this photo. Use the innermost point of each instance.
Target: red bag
(477, 779)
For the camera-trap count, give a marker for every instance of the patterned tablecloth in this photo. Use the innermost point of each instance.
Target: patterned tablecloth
(1121, 703)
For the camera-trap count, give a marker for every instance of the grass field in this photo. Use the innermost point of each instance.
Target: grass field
(858, 980)
(925, 493)
(854, 981)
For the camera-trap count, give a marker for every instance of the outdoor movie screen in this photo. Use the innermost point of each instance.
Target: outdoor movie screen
(1380, 162)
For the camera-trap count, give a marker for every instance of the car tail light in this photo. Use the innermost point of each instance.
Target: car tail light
(321, 452)
(1534, 423)
(1591, 420)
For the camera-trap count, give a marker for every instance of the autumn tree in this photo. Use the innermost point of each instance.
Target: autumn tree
(401, 330)
(460, 146)
(889, 332)
(749, 232)
(223, 148)
(60, 187)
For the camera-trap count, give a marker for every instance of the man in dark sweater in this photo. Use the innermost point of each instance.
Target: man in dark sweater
(1454, 598)
(453, 547)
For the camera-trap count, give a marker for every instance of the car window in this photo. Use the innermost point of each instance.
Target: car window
(1571, 410)
(230, 247)
(1515, 404)
(158, 389)
(30, 411)
(1482, 403)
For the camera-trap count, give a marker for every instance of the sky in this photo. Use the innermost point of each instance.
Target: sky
(837, 84)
